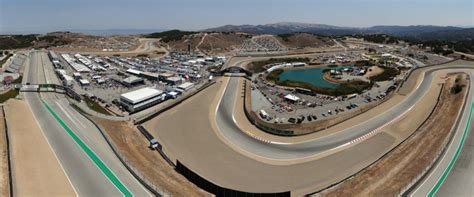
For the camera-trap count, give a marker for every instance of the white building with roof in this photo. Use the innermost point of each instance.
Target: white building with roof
(142, 98)
(186, 86)
(292, 98)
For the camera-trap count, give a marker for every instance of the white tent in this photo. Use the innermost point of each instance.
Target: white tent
(292, 97)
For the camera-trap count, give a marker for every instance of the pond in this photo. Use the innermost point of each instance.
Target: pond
(313, 76)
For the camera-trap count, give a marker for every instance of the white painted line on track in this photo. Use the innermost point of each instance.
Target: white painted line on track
(74, 118)
(54, 152)
(74, 121)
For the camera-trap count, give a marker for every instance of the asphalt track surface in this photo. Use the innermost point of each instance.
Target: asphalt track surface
(292, 151)
(88, 177)
(453, 174)
(221, 153)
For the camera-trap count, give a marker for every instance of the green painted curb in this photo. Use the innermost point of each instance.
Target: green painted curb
(97, 161)
(453, 160)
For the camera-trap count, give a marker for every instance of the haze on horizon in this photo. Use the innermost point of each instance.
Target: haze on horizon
(33, 16)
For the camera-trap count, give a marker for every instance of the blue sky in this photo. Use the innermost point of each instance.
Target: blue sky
(52, 15)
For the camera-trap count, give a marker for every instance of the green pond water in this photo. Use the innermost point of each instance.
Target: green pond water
(312, 76)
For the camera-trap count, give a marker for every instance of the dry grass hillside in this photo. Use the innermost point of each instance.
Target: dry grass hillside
(219, 43)
(304, 40)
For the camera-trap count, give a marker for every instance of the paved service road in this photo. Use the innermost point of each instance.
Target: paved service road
(87, 159)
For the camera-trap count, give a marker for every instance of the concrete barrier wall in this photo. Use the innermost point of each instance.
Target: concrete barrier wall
(218, 190)
(9, 165)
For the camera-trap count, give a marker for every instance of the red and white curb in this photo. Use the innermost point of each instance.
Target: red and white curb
(377, 130)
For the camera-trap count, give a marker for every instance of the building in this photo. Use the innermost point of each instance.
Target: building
(53, 56)
(151, 76)
(292, 98)
(67, 80)
(174, 80)
(186, 86)
(134, 72)
(142, 98)
(77, 75)
(7, 80)
(132, 81)
(84, 82)
(164, 76)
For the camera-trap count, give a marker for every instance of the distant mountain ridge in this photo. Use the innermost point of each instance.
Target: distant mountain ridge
(417, 31)
(109, 32)
(286, 27)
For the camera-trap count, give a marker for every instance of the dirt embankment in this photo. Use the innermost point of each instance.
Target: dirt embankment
(397, 169)
(134, 147)
(4, 178)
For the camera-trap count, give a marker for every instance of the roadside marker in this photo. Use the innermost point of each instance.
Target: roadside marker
(96, 160)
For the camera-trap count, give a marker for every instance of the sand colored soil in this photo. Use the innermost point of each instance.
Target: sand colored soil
(373, 71)
(35, 169)
(133, 146)
(394, 171)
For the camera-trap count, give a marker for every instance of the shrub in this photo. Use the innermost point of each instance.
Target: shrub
(387, 74)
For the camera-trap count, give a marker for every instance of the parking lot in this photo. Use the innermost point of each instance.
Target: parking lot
(105, 78)
(285, 105)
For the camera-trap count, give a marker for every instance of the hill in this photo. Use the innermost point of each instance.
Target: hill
(31, 40)
(418, 31)
(304, 40)
(285, 28)
(171, 35)
(410, 31)
(449, 35)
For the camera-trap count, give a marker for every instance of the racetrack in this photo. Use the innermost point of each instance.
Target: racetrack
(86, 159)
(215, 148)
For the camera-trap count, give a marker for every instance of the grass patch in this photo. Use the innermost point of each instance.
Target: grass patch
(78, 108)
(169, 36)
(8, 95)
(345, 88)
(259, 66)
(273, 76)
(18, 80)
(95, 106)
(387, 74)
(458, 85)
(4, 60)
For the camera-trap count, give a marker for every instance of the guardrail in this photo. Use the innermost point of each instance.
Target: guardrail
(160, 148)
(9, 165)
